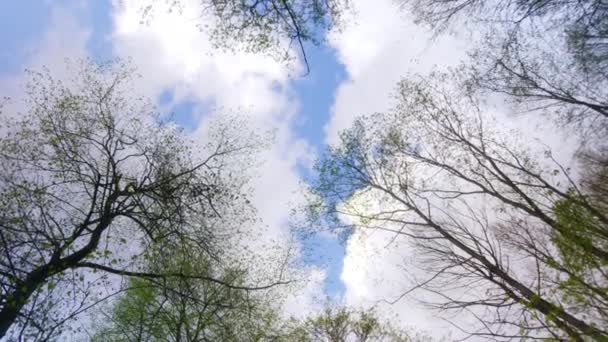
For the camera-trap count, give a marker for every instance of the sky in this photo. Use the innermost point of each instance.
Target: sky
(353, 73)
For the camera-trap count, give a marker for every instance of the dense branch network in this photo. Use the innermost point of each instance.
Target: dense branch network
(90, 180)
(486, 218)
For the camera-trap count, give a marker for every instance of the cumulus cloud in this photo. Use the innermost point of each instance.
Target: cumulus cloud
(380, 45)
(171, 51)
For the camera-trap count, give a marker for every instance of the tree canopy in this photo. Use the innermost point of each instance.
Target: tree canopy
(92, 181)
(510, 229)
(108, 209)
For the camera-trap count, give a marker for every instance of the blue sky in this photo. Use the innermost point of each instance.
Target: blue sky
(316, 94)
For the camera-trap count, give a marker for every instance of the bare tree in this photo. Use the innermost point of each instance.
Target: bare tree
(481, 213)
(90, 178)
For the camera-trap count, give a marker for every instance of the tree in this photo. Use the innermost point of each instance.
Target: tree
(583, 22)
(340, 324)
(264, 26)
(551, 57)
(583, 228)
(490, 221)
(182, 309)
(90, 178)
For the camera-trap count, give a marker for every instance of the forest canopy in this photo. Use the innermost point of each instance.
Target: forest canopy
(124, 221)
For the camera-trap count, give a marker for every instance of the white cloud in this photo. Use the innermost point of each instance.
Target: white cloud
(380, 46)
(171, 52)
